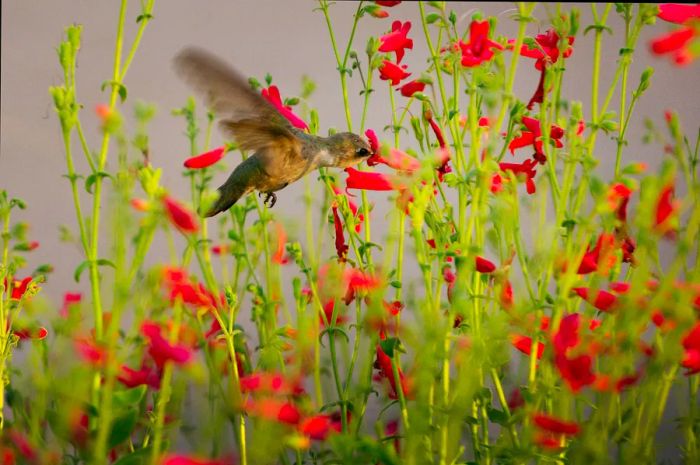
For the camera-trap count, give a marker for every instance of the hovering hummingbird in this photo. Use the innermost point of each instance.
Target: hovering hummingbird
(282, 153)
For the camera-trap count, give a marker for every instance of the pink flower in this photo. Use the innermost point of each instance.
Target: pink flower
(272, 95)
(180, 216)
(389, 71)
(479, 48)
(397, 40)
(411, 87)
(206, 159)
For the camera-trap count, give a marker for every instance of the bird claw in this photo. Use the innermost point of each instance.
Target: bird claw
(270, 198)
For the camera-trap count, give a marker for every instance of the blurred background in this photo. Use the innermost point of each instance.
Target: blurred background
(286, 39)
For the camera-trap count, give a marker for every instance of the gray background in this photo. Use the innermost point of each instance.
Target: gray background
(284, 38)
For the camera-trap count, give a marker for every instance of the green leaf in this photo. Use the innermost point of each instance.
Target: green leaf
(389, 345)
(79, 270)
(497, 416)
(138, 457)
(92, 179)
(122, 427)
(128, 398)
(433, 17)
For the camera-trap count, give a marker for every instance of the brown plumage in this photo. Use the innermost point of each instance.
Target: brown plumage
(282, 153)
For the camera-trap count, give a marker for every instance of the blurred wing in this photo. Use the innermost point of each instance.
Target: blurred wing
(250, 119)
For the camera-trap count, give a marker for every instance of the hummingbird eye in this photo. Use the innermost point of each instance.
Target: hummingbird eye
(362, 152)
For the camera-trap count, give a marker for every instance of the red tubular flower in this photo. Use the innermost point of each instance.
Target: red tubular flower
(90, 351)
(411, 87)
(160, 349)
(555, 425)
(341, 248)
(618, 198)
(383, 364)
(180, 216)
(279, 256)
(146, 375)
(603, 300)
(398, 160)
(367, 181)
(69, 299)
(524, 345)
(691, 346)
(274, 410)
(318, 427)
(678, 13)
(397, 40)
(665, 210)
(484, 266)
(533, 136)
(387, 3)
(479, 48)
(577, 371)
(29, 333)
(525, 169)
(206, 159)
(272, 95)
(19, 288)
(566, 336)
(188, 460)
(675, 43)
(601, 258)
(438, 133)
(389, 71)
(373, 140)
(140, 204)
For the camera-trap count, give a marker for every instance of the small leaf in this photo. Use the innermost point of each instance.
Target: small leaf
(79, 270)
(433, 17)
(123, 427)
(389, 345)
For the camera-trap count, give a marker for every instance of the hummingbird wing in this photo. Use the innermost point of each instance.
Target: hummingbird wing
(252, 121)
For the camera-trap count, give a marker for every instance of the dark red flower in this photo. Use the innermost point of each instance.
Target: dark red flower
(691, 346)
(601, 258)
(555, 425)
(272, 95)
(146, 375)
(567, 336)
(160, 349)
(397, 40)
(341, 248)
(206, 159)
(368, 181)
(180, 216)
(389, 71)
(484, 266)
(479, 48)
(411, 87)
(678, 13)
(274, 410)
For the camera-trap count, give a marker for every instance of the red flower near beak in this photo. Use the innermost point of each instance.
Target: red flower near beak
(397, 40)
(180, 216)
(368, 181)
(272, 95)
(479, 48)
(206, 159)
(389, 71)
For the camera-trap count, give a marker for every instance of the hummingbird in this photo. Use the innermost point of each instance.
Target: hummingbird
(282, 153)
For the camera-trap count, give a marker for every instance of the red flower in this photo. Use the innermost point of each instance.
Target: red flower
(279, 255)
(567, 335)
(665, 210)
(19, 288)
(140, 204)
(358, 281)
(524, 345)
(373, 140)
(387, 3)
(691, 346)
(675, 43)
(383, 364)
(160, 349)
(367, 181)
(677, 13)
(398, 160)
(275, 410)
(146, 375)
(27, 333)
(180, 216)
(576, 371)
(319, 426)
(272, 95)
(185, 460)
(526, 168)
(411, 87)
(484, 266)
(533, 136)
(555, 425)
(478, 49)
(397, 40)
(70, 299)
(603, 300)
(221, 249)
(90, 351)
(341, 248)
(618, 198)
(269, 382)
(438, 133)
(389, 71)
(601, 258)
(206, 159)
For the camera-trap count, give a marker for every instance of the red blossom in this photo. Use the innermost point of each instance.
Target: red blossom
(479, 48)
(397, 40)
(373, 140)
(525, 169)
(387, 3)
(397, 160)
(180, 216)
(368, 181)
(189, 460)
(675, 43)
(319, 426)
(576, 371)
(601, 258)
(484, 266)
(69, 300)
(666, 209)
(411, 87)
(269, 382)
(555, 425)
(146, 375)
(533, 136)
(140, 204)
(274, 410)
(524, 345)
(389, 71)
(90, 351)
(602, 300)
(618, 198)
(566, 336)
(279, 256)
(341, 248)
(383, 364)
(206, 159)
(272, 95)
(678, 13)
(691, 346)
(31, 333)
(160, 349)
(19, 288)
(221, 249)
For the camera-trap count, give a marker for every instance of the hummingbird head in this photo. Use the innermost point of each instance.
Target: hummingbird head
(347, 149)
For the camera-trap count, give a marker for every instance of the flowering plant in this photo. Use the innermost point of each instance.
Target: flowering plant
(457, 338)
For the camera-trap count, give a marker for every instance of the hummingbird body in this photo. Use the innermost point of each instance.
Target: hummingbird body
(282, 153)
